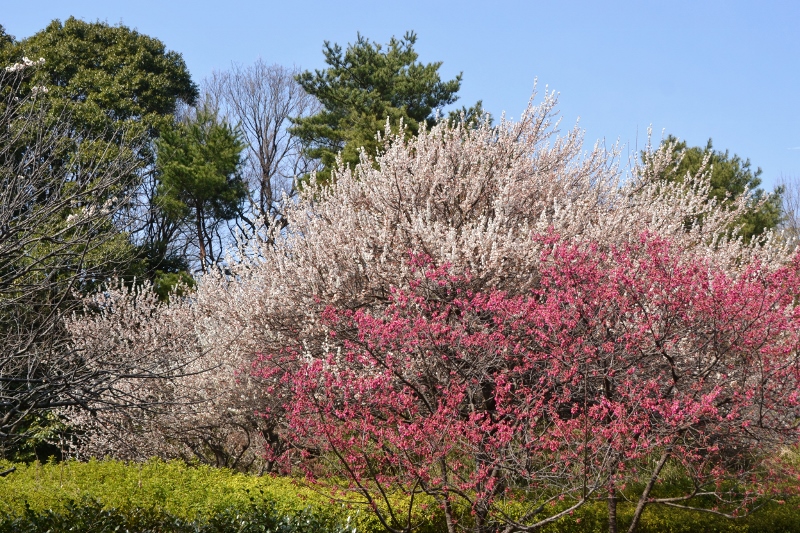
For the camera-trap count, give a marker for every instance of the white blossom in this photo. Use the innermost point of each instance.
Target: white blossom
(26, 63)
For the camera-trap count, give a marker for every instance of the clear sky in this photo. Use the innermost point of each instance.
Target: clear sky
(696, 69)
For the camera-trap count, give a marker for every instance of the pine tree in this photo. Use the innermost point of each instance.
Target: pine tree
(199, 162)
(364, 86)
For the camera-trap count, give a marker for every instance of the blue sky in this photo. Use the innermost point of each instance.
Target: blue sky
(696, 69)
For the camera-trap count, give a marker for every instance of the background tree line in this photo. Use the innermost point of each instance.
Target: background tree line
(217, 158)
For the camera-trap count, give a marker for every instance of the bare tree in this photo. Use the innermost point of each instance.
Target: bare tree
(262, 99)
(60, 190)
(791, 207)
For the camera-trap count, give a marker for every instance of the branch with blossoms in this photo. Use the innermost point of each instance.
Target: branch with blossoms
(59, 192)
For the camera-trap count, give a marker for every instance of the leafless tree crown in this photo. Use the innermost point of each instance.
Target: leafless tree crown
(262, 99)
(791, 208)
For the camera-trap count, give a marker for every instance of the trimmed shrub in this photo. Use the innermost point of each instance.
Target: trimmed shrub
(159, 496)
(167, 496)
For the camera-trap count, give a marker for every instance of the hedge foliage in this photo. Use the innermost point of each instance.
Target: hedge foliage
(159, 496)
(166, 496)
(592, 518)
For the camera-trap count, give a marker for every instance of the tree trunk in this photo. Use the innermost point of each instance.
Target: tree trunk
(637, 514)
(448, 507)
(200, 241)
(612, 509)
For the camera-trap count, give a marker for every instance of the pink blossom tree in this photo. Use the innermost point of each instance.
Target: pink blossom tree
(618, 361)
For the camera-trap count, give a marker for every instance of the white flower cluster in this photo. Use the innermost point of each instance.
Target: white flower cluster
(24, 64)
(93, 211)
(39, 89)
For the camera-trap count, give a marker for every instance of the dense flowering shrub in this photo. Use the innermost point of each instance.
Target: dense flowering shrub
(618, 360)
(204, 408)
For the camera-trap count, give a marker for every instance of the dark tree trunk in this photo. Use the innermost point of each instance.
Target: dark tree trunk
(612, 509)
(200, 240)
(637, 514)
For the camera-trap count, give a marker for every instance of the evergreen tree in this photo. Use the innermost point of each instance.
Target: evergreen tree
(104, 74)
(200, 183)
(6, 40)
(730, 177)
(362, 87)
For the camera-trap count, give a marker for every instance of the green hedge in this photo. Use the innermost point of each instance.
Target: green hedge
(90, 516)
(166, 496)
(173, 497)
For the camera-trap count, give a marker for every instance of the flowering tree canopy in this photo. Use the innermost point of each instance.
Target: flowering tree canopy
(492, 317)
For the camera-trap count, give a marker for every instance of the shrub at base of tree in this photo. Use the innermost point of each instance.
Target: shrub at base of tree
(167, 496)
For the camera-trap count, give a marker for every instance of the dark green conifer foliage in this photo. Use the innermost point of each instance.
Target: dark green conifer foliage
(362, 87)
(730, 178)
(6, 41)
(200, 183)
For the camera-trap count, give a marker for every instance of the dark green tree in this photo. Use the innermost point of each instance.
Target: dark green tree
(200, 186)
(109, 79)
(6, 40)
(473, 116)
(730, 177)
(362, 87)
(105, 74)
